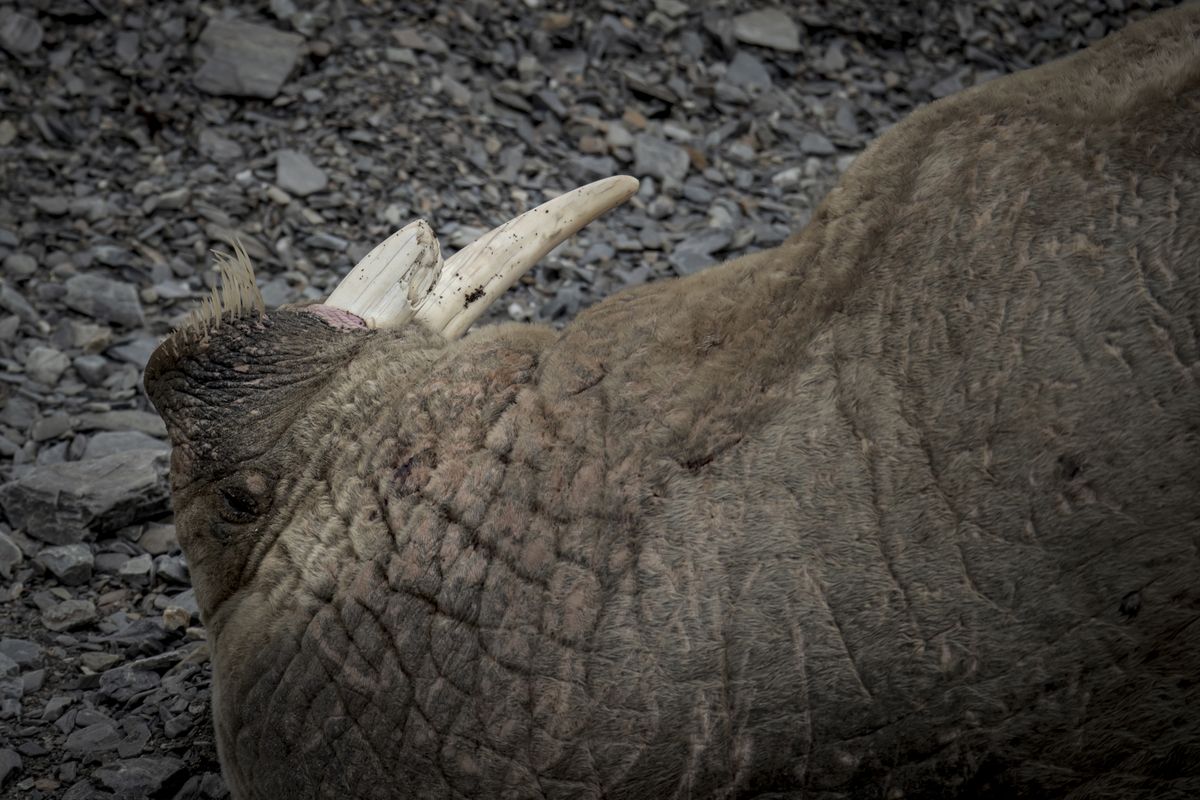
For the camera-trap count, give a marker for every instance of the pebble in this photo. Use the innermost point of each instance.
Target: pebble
(19, 34)
(69, 615)
(296, 174)
(70, 563)
(768, 27)
(659, 158)
(63, 503)
(242, 59)
(105, 299)
(46, 365)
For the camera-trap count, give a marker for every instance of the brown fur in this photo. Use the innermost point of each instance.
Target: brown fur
(904, 508)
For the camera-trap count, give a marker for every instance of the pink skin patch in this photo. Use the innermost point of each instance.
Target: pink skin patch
(335, 317)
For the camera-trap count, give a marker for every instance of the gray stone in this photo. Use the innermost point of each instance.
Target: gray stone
(660, 158)
(245, 60)
(326, 241)
(140, 777)
(55, 707)
(768, 27)
(746, 70)
(107, 443)
(19, 34)
(70, 563)
(20, 265)
(136, 352)
(46, 365)
(419, 40)
(69, 615)
(112, 256)
(296, 173)
(62, 503)
(10, 556)
(128, 420)
(138, 571)
(218, 147)
(10, 765)
(696, 251)
(8, 667)
(816, 144)
(105, 299)
(27, 654)
(97, 738)
(172, 569)
(158, 539)
(93, 369)
(14, 302)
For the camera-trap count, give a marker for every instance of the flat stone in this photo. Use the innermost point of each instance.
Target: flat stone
(27, 654)
(46, 365)
(660, 158)
(697, 251)
(746, 70)
(126, 420)
(8, 667)
(10, 556)
(70, 563)
(69, 615)
(218, 147)
(140, 777)
(105, 299)
(138, 571)
(98, 738)
(245, 60)
(99, 662)
(159, 539)
(107, 443)
(816, 144)
(768, 27)
(10, 765)
(19, 34)
(62, 503)
(296, 173)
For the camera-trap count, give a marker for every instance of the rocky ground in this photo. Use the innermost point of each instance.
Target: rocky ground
(136, 137)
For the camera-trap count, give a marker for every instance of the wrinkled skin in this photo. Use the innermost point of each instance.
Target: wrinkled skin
(906, 507)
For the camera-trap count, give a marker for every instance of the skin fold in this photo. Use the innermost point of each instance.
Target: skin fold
(906, 507)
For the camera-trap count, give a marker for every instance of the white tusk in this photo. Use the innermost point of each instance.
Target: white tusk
(483, 270)
(385, 288)
(404, 278)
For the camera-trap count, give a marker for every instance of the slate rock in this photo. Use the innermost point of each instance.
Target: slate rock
(10, 556)
(27, 654)
(46, 365)
(69, 615)
(696, 251)
(245, 60)
(14, 302)
(660, 158)
(10, 765)
(768, 27)
(19, 34)
(70, 563)
(147, 776)
(62, 503)
(8, 667)
(296, 173)
(138, 571)
(746, 70)
(105, 299)
(816, 144)
(99, 737)
(107, 443)
(127, 420)
(217, 147)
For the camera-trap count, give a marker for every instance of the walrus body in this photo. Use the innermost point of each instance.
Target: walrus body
(906, 507)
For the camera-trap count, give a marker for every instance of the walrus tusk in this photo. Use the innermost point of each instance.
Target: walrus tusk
(404, 277)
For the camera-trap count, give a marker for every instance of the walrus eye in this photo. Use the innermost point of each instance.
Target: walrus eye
(237, 505)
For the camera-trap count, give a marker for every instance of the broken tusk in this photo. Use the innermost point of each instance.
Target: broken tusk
(386, 286)
(404, 277)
